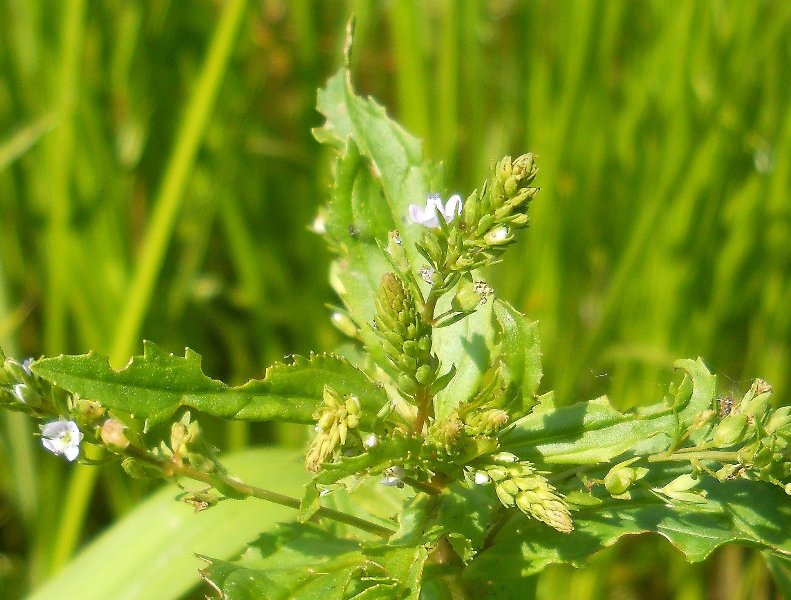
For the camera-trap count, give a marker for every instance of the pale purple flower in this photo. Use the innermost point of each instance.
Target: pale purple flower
(62, 438)
(428, 216)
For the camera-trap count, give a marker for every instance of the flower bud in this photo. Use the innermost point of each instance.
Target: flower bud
(344, 324)
(467, 297)
(395, 249)
(88, 409)
(730, 430)
(498, 236)
(112, 434)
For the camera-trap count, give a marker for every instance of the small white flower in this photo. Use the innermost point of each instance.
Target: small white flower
(428, 216)
(370, 440)
(393, 476)
(26, 365)
(62, 437)
(427, 274)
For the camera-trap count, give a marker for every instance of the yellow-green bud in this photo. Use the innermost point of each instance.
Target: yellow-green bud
(467, 297)
(498, 236)
(730, 430)
(88, 409)
(396, 251)
(618, 480)
(344, 324)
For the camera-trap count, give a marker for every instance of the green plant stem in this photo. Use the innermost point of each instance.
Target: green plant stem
(172, 468)
(423, 401)
(690, 454)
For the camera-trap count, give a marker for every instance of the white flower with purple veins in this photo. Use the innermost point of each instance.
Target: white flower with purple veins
(62, 437)
(428, 216)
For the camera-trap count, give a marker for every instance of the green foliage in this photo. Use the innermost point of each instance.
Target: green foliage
(153, 386)
(475, 444)
(660, 230)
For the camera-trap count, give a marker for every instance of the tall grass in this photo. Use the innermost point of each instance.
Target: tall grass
(157, 177)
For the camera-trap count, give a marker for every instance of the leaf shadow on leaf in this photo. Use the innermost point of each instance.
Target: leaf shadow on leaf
(478, 351)
(758, 509)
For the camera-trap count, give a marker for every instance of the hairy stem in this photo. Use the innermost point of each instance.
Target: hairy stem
(693, 453)
(172, 468)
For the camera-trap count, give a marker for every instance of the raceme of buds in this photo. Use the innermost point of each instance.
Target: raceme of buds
(334, 419)
(406, 338)
(489, 219)
(485, 422)
(519, 484)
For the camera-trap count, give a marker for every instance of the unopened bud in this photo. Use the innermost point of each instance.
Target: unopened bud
(730, 430)
(344, 324)
(395, 249)
(112, 434)
(89, 409)
(497, 236)
(481, 478)
(467, 297)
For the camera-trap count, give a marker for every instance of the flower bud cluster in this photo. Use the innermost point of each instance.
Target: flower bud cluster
(489, 219)
(405, 336)
(517, 483)
(22, 391)
(485, 422)
(763, 433)
(334, 420)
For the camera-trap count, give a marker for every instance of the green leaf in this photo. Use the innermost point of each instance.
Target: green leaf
(305, 562)
(467, 345)
(520, 353)
(378, 173)
(294, 561)
(156, 384)
(150, 552)
(744, 512)
(462, 513)
(594, 432)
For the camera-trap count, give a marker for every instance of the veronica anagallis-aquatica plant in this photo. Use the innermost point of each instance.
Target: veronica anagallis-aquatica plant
(439, 469)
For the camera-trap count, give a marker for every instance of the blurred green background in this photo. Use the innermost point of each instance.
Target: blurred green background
(158, 180)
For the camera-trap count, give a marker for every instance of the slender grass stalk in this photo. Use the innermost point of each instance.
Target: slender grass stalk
(171, 193)
(59, 158)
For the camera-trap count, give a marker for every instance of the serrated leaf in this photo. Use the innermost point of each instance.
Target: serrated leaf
(156, 384)
(462, 513)
(380, 172)
(520, 352)
(594, 432)
(294, 561)
(744, 512)
(305, 562)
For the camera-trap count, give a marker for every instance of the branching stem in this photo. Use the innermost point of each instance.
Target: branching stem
(174, 468)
